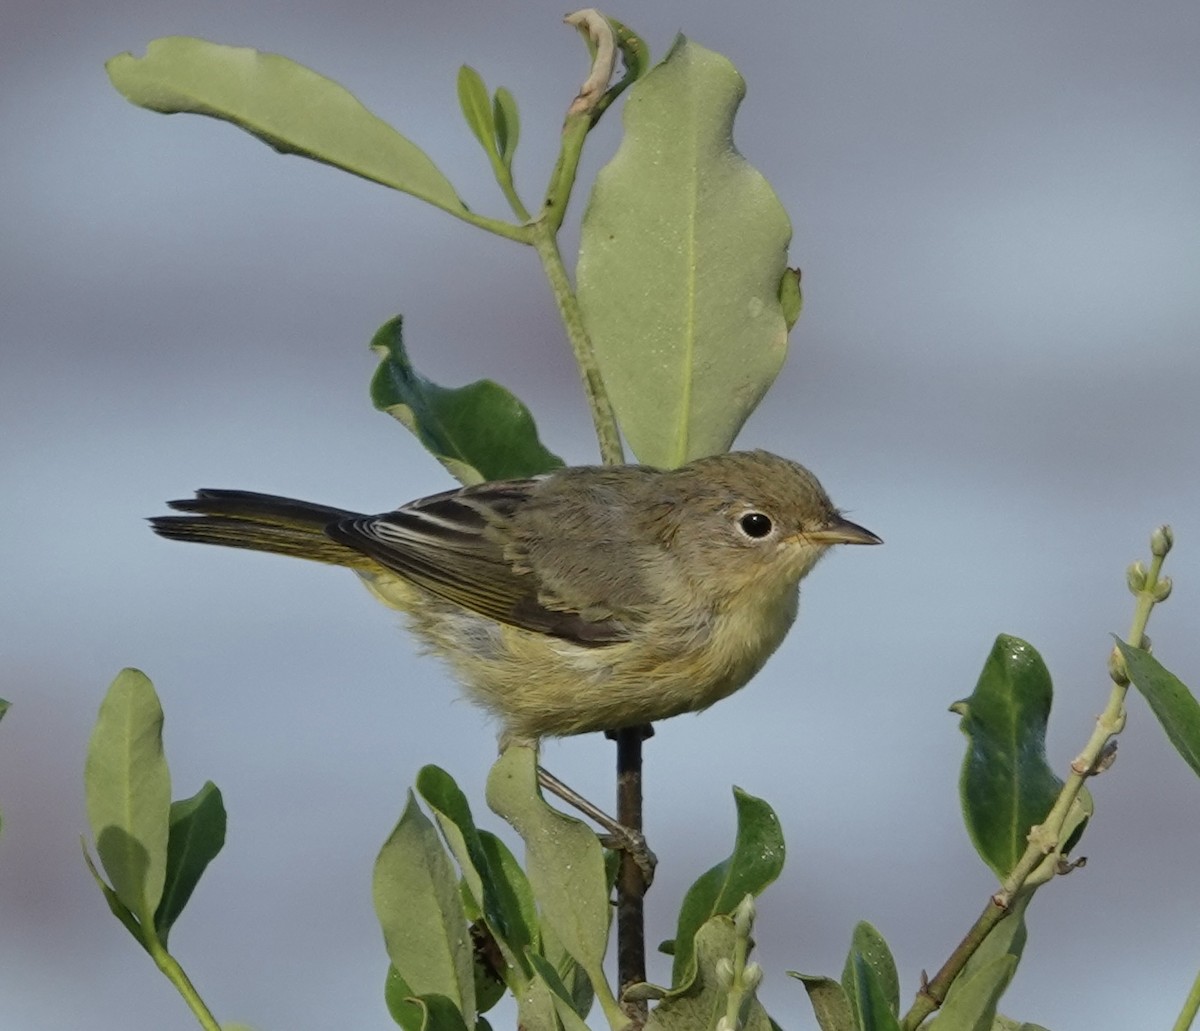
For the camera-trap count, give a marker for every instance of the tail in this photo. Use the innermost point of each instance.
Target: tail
(261, 522)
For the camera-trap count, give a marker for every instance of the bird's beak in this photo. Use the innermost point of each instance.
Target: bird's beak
(842, 531)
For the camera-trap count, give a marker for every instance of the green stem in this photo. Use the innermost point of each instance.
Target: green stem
(493, 225)
(1190, 1006)
(1045, 838)
(605, 421)
(562, 178)
(169, 965)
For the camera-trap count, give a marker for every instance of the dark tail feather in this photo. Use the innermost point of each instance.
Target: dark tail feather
(259, 522)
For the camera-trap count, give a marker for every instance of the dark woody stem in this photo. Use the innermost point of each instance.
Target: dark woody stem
(631, 878)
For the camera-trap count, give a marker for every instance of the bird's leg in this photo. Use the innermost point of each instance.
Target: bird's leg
(617, 836)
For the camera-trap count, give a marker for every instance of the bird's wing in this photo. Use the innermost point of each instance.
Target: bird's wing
(448, 545)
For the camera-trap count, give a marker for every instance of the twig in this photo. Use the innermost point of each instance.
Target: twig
(631, 879)
(1045, 839)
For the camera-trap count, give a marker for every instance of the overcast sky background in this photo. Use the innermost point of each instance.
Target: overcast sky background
(997, 211)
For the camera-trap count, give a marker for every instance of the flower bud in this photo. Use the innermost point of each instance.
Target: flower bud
(752, 976)
(1116, 669)
(724, 972)
(1161, 541)
(1162, 589)
(1135, 576)
(743, 916)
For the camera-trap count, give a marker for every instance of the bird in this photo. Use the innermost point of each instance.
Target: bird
(591, 598)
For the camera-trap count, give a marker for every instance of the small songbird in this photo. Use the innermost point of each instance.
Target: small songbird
(592, 598)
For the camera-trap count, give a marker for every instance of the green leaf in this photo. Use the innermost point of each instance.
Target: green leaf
(869, 996)
(507, 121)
(868, 949)
(115, 905)
(418, 906)
(563, 999)
(1171, 702)
(289, 107)
(1007, 938)
(757, 859)
(478, 432)
(1006, 786)
(831, 1005)
(971, 1006)
(705, 998)
(791, 299)
(128, 788)
(476, 108)
(564, 861)
(1003, 1023)
(682, 252)
(496, 899)
(197, 833)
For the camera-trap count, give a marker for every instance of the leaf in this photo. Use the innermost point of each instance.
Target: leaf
(868, 949)
(831, 1005)
(1006, 786)
(697, 1006)
(197, 833)
(476, 108)
(115, 905)
(791, 298)
(682, 252)
(972, 1006)
(289, 107)
(478, 432)
(1007, 938)
(501, 908)
(868, 996)
(756, 861)
(564, 862)
(128, 788)
(507, 121)
(563, 999)
(1171, 702)
(417, 903)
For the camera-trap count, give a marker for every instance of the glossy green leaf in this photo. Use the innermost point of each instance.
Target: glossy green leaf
(756, 861)
(507, 122)
(478, 432)
(564, 862)
(869, 997)
(496, 900)
(831, 1005)
(197, 833)
(683, 249)
(289, 107)
(704, 999)
(128, 788)
(1006, 786)
(972, 1006)
(1170, 700)
(476, 107)
(418, 906)
(868, 947)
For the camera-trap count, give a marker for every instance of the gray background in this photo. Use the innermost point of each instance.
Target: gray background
(997, 214)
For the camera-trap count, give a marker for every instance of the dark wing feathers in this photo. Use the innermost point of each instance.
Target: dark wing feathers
(445, 545)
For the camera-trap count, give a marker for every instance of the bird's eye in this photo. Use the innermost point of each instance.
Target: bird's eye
(755, 524)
